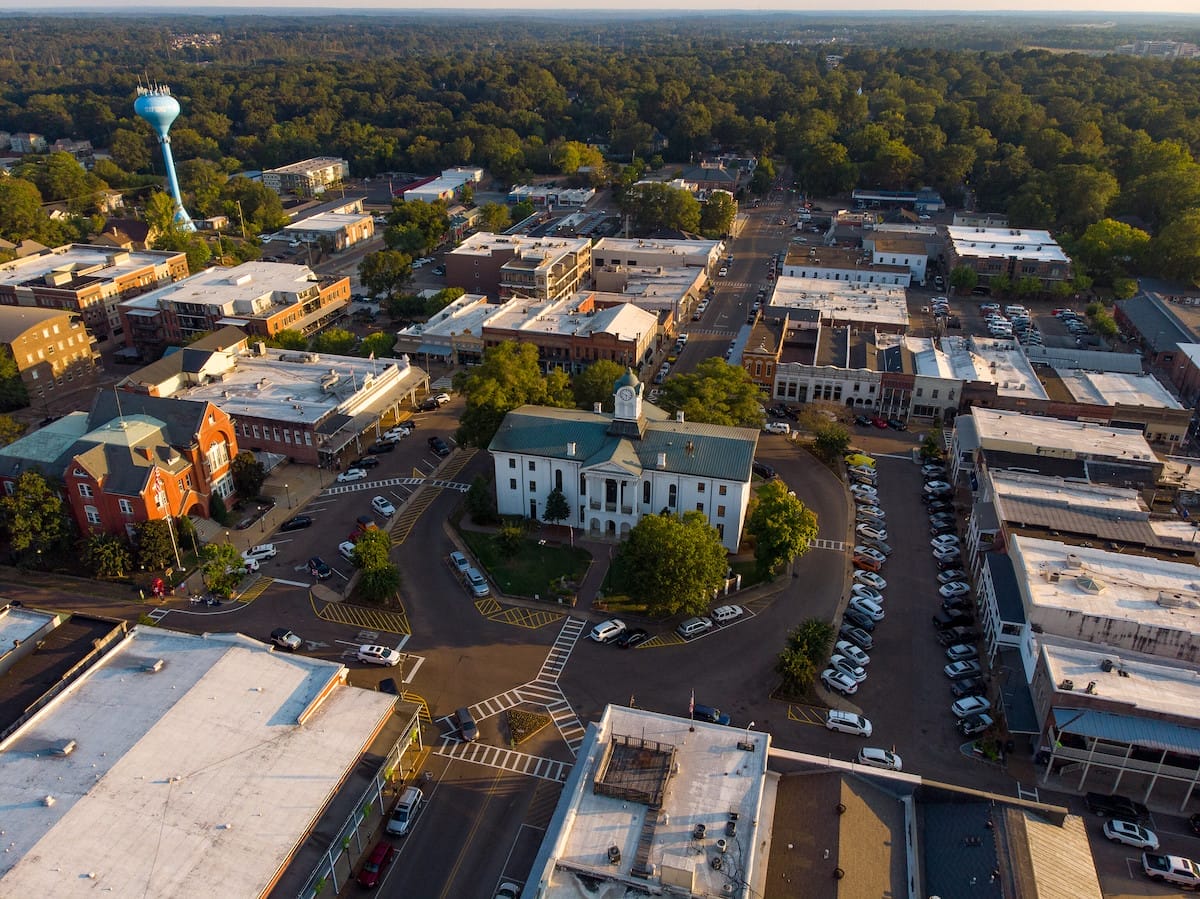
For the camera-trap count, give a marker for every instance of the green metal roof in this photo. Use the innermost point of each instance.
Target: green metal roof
(691, 448)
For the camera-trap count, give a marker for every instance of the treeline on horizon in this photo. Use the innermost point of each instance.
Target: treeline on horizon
(1056, 140)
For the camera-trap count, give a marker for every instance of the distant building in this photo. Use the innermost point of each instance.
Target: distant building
(310, 407)
(923, 200)
(553, 195)
(341, 230)
(262, 298)
(308, 178)
(80, 149)
(504, 266)
(615, 468)
(26, 142)
(888, 249)
(1011, 253)
(617, 253)
(980, 220)
(130, 460)
(848, 264)
(446, 187)
(51, 347)
(89, 280)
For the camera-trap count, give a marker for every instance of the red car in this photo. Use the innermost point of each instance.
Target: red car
(372, 870)
(880, 423)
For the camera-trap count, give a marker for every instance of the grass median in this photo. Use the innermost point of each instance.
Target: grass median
(531, 569)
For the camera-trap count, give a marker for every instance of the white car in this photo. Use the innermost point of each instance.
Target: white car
(724, 272)
(970, 705)
(957, 670)
(947, 554)
(866, 607)
(862, 590)
(1130, 834)
(442, 399)
(873, 554)
(953, 589)
(871, 512)
(394, 434)
(381, 505)
(260, 553)
(880, 758)
(870, 579)
(607, 631)
(844, 665)
(954, 574)
(938, 487)
(944, 541)
(962, 652)
(346, 550)
(838, 681)
(378, 655)
(777, 427)
(862, 491)
(352, 474)
(852, 652)
(871, 532)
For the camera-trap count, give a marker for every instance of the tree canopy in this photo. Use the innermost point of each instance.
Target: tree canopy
(507, 377)
(781, 526)
(595, 384)
(715, 392)
(674, 564)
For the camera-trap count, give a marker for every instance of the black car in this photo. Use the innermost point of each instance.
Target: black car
(945, 619)
(365, 462)
(383, 446)
(878, 545)
(318, 569)
(428, 405)
(1194, 824)
(974, 724)
(959, 634)
(954, 561)
(857, 636)
(299, 523)
(862, 421)
(896, 424)
(953, 604)
(858, 619)
(939, 528)
(1117, 806)
(939, 505)
(763, 470)
(632, 638)
(438, 445)
(968, 686)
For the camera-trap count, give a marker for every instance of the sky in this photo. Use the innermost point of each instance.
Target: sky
(1149, 7)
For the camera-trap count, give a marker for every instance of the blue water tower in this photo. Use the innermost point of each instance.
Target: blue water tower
(160, 109)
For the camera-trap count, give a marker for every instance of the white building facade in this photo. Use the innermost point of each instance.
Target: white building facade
(613, 469)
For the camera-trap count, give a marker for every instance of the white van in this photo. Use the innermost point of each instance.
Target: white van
(847, 723)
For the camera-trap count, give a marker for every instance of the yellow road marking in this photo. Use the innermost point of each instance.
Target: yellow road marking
(530, 618)
(423, 714)
(487, 607)
(668, 639)
(362, 617)
(806, 714)
(257, 589)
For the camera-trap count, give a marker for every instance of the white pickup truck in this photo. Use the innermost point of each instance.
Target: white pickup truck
(1174, 869)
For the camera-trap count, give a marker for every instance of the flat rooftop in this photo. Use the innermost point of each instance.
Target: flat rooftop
(301, 387)
(700, 248)
(843, 302)
(844, 258)
(652, 290)
(327, 221)
(250, 289)
(1110, 388)
(1002, 363)
(1016, 432)
(466, 315)
(307, 165)
(76, 266)
(485, 243)
(701, 777)
(900, 244)
(1103, 584)
(1149, 684)
(209, 771)
(1006, 242)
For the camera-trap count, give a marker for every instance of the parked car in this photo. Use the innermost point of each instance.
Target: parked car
(870, 511)
(880, 758)
(777, 427)
(866, 607)
(933, 471)
(870, 579)
(632, 638)
(897, 424)
(346, 550)
(938, 505)
(405, 812)
(709, 713)
(956, 635)
(378, 655)
(383, 506)
(974, 724)
(365, 462)
(968, 686)
(296, 523)
(477, 583)
(839, 682)
(260, 553)
(852, 652)
(962, 652)
(382, 446)
(694, 627)
(1130, 834)
(884, 548)
(865, 592)
(607, 631)
(970, 705)
(856, 635)
(871, 532)
(726, 614)
(377, 862)
(947, 620)
(285, 639)
(936, 487)
(873, 554)
(843, 664)
(954, 574)
(1117, 806)
(459, 563)
(427, 405)
(763, 470)
(439, 446)
(442, 399)
(947, 554)
(351, 475)
(862, 421)
(318, 569)
(859, 619)
(866, 563)
(953, 589)
(956, 670)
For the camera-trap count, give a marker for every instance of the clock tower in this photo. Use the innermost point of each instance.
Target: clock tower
(627, 397)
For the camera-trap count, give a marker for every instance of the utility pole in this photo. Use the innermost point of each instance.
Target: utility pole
(241, 218)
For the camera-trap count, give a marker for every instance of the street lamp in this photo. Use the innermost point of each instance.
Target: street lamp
(748, 726)
(262, 519)
(289, 495)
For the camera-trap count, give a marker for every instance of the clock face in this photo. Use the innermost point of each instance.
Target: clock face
(625, 393)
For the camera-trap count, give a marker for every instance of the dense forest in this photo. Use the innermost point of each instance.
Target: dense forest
(1061, 140)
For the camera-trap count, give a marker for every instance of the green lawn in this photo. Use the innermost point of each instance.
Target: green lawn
(533, 570)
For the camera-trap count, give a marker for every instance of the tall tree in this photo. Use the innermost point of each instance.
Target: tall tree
(34, 515)
(248, 474)
(415, 227)
(13, 394)
(595, 384)
(107, 555)
(385, 272)
(155, 550)
(507, 377)
(674, 564)
(715, 392)
(781, 525)
(557, 508)
(717, 214)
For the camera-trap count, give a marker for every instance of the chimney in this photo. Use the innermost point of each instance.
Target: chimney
(679, 416)
(571, 449)
(146, 453)
(662, 461)
(598, 408)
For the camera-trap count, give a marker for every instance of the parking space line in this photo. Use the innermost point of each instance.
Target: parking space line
(528, 618)
(423, 713)
(360, 616)
(670, 638)
(487, 607)
(256, 589)
(806, 714)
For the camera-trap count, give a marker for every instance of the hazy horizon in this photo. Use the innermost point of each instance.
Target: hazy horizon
(1074, 7)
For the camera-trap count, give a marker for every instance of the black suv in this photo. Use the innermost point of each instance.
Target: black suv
(439, 447)
(1117, 806)
(763, 470)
